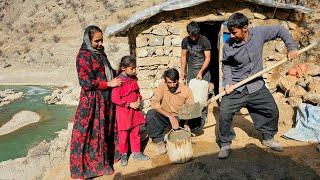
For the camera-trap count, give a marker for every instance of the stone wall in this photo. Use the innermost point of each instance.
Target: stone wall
(158, 47)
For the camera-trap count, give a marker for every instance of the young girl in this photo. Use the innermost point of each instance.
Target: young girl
(128, 115)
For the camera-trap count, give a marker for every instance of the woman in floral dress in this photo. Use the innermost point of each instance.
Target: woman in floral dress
(93, 140)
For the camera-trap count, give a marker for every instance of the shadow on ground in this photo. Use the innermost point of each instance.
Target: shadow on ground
(250, 162)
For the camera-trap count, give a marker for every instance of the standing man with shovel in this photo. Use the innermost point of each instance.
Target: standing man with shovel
(242, 58)
(195, 55)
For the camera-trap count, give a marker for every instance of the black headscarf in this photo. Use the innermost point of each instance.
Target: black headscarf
(86, 44)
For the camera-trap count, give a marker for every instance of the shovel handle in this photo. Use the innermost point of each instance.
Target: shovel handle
(260, 73)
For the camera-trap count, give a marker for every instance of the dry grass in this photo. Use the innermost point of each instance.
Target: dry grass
(59, 17)
(55, 38)
(122, 18)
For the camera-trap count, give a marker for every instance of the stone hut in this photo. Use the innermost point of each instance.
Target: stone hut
(154, 36)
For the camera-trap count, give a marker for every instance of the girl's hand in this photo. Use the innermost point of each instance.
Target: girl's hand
(115, 82)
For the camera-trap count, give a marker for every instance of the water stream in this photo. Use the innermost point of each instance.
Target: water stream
(53, 119)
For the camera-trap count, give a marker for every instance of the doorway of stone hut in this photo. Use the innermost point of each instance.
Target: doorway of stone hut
(211, 30)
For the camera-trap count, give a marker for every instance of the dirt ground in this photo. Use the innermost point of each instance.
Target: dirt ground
(248, 159)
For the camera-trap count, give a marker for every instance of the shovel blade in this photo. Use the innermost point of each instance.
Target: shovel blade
(190, 111)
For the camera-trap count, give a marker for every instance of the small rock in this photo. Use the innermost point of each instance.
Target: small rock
(159, 51)
(247, 12)
(9, 91)
(151, 51)
(281, 14)
(294, 101)
(297, 91)
(6, 65)
(176, 41)
(280, 47)
(167, 51)
(284, 24)
(146, 84)
(285, 112)
(146, 93)
(174, 62)
(288, 83)
(167, 41)
(40, 149)
(244, 111)
(141, 41)
(142, 52)
(292, 25)
(147, 31)
(312, 98)
(314, 70)
(174, 30)
(156, 40)
(176, 51)
(259, 16)
(160, 30)
(314, 86)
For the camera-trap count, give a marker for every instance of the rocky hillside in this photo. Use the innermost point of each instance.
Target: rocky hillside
(48, 33)
(44, 36)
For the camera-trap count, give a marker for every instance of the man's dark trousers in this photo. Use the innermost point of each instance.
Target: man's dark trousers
(261, 106)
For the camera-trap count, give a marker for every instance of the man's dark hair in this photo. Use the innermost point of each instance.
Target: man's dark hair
(172, 74)
(128, 61)
(237, 20)
(193, 28)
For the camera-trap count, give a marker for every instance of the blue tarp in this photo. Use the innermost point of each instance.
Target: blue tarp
(307, 124)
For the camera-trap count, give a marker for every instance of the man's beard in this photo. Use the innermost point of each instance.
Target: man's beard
(173, 89)
(236, 39)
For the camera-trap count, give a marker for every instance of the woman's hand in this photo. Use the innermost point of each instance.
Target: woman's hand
(134, 105)
(115, 82)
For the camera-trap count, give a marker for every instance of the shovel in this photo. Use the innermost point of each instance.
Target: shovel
(191, 111)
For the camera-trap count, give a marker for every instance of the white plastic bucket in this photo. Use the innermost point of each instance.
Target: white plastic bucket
(199, 90)
(179, 145)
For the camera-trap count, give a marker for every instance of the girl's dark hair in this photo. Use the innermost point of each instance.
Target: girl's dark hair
(237, 20)
(128, 61)
(172, 74)
(193, 28)
(91, 30)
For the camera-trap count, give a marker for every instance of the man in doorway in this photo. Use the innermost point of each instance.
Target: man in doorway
(195, 59)
(168, 97)
(242, 57)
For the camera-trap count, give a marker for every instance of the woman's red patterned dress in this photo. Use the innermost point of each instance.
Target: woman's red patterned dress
(93, 141)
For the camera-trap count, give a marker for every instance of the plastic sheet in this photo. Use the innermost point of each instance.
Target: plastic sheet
(180, 4)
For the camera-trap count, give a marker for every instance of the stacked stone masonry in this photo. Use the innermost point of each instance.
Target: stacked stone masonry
(159, 47)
